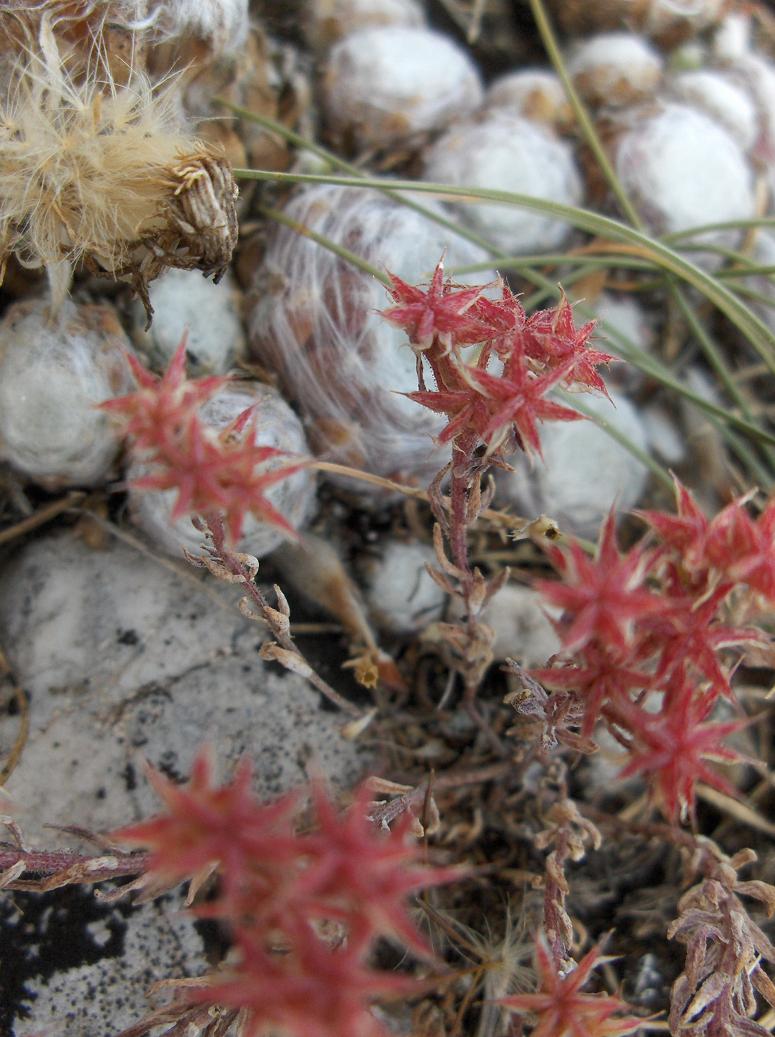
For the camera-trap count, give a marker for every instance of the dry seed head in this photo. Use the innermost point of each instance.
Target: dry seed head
(93, 171)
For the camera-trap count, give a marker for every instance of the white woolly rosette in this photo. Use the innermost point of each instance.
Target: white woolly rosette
(584, 471)
(208, 313)
(222, 24)
(763, 254)
(732, 37)
(717, 95)
(389, 85)
(756, 74)
(275, 425)
(615, 69)
(327, 21)
(534, 93)
(315, 321)
(520, 620)
(508, 153)
(682, 170)
(669, 21)
(660, 18)
(623, 323)
(53, 373)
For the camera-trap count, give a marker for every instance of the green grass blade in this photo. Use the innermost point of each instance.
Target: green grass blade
(591, 137)
(604, 226)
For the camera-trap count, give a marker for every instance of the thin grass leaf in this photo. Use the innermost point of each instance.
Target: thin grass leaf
(554, 54)
(749, 325)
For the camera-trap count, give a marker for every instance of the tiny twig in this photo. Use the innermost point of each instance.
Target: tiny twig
(43, 515)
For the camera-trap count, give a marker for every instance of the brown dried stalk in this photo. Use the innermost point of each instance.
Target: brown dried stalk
(568, 833)
(235, 567)
(714, 995)
(57, 868)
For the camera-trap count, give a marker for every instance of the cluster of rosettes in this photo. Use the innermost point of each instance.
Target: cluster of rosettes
(647, 628)
(225, 475)
(535, 354)
(303, 910)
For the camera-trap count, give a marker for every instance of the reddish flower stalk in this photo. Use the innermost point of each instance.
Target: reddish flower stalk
(216, 475)
(560, 1008)
(489, 413)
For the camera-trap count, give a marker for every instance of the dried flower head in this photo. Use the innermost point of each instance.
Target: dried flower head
(105, 173)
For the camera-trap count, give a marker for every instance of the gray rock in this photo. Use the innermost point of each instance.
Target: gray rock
(124, 657)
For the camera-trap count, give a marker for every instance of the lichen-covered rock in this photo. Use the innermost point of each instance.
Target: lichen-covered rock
(123, 655)
(126, 659)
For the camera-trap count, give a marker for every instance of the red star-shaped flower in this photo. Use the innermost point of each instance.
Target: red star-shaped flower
(442, 311)
(685, 532)
(314, 990)
(225, 473)
(602, 598)
(362, 876)
(205, 824)
(672, 746)
(743, 548)
(687, 632)
(516, 400)
(552, 339)
(161, 406)
(562, 1010)
(599, 676)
